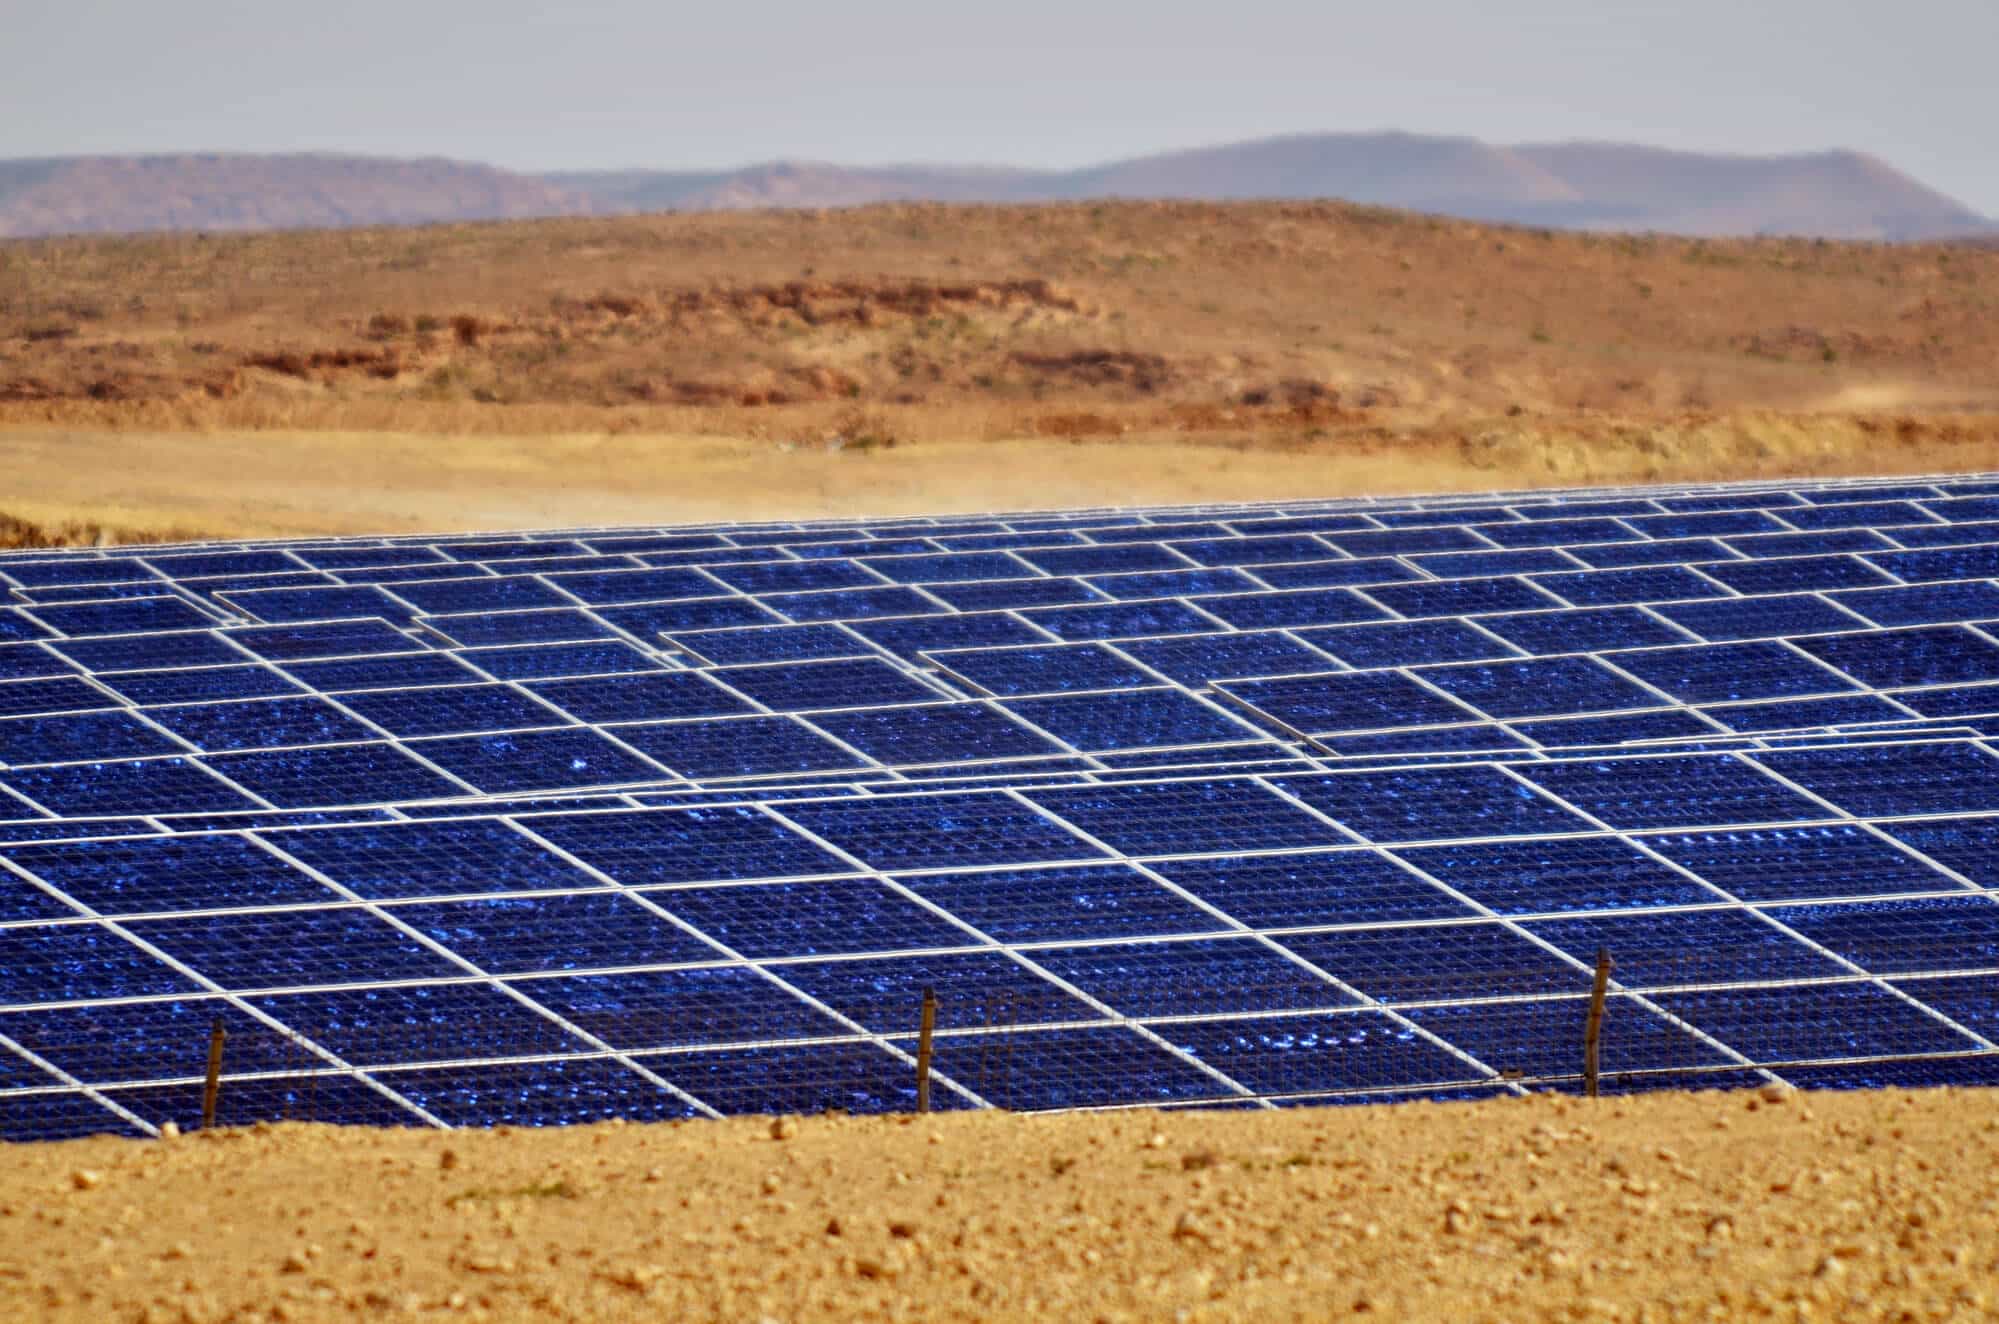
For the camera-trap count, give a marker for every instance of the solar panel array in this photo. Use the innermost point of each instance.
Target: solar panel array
(1250, 804)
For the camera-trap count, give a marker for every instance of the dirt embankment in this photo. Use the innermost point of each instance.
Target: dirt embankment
(1190, 351)
(1860, 1206)
(89, 486)
(1174, 317)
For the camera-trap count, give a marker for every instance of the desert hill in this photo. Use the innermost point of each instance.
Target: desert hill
(1598, 186)
(1413, 346)
(1601, 186)
(122, 194)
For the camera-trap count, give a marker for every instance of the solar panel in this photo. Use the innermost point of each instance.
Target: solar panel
(1313, 800)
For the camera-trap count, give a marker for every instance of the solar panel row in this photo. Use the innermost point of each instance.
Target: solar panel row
(1318, 800)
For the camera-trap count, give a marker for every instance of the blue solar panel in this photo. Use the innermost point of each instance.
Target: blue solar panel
(261, 724)
(75, 737)
(412, 1023)
(1189, 817)
(908, 637)
(1462, 597)
(78, 570)
(670, 1008)
(1763, 545)
(518, 761)
(1513, 1036)
(549, 661)
(122, 617)
(1668, 792)
(141, 875)
(1255, 611)
(71, 963)
(1172, 584)
(1196, 661)
(687, 845)
(1356, 573)
(639, 697)
(1779, 1023)
(441, 858)
(1573, 873)
(1937, 655)
(1049, 669)
(1124, 620)
(1197, 977)
(1795, 574)
(1110, 560)
(1903, 936)
(555, 625)
(1433, 962)
(1758, 617)
(933, 733)
(544, 934)
(278, 605)
(1704, 525)
(933, 832)
(1616, 729)
(1714, 673)
(1432, 804)
(1240, 764)
(132, 652)
(1264, 550)
(1131, 719)
(1347, 701)
(813, 919)
(1084, 902)
(737, 747)
(294, 643)
(1897, 779)
(399, 671)
(789, 643)
(1002, 594)
(648, 621)
(1538, 687)
(1925, 604)
(450, 708)
(1794, 714)
(1668, 551)
(1315, 889)
(279, 949)
(1404, 643)
(142, 786)
(332, 775)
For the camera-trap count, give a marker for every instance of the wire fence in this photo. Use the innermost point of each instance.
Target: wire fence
(1120, 1033)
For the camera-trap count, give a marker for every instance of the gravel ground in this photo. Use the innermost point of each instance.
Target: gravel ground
(1857, 1206)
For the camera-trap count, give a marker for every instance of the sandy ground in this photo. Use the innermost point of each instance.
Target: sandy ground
(270, 483)
(145, 484)
(1859, 1206)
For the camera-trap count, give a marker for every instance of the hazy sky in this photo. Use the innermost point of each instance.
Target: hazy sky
(548, 85)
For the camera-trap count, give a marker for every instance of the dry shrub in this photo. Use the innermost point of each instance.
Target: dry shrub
(20, 534)
(864, 430)
(1144, 373)
(469, 328)
(1079, 425)
(618, 305)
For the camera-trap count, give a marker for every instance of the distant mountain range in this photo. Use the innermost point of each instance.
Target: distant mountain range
(1605, 186)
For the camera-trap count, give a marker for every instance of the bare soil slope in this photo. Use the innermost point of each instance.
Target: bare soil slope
(1281, 317)
(1367, 350)
(1861, 1206)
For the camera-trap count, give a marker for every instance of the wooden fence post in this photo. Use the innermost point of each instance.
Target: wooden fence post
(212, 1087)
(924, 1030)
(1593, 1027)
